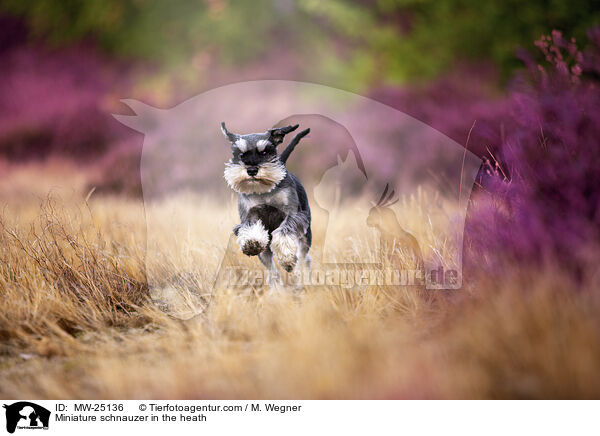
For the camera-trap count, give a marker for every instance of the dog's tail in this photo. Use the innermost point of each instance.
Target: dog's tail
(283, 157)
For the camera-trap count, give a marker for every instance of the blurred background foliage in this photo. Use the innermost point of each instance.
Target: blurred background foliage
(354, 44)
(66, 64)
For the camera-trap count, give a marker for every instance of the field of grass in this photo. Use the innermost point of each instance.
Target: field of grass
(78, 319)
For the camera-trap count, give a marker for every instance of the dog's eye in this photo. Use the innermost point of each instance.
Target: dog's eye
(263, 152)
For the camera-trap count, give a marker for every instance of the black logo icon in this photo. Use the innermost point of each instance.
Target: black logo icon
(26, 415)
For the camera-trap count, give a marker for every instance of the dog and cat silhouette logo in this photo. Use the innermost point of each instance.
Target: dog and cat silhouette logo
(26, 415)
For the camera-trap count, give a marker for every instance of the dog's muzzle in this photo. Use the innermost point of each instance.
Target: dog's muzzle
(254, 179)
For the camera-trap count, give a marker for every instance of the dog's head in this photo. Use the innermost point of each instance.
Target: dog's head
(255, 167)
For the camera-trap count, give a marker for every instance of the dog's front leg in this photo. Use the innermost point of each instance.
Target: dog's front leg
(273, 276)
(285, 241)
(252, 237)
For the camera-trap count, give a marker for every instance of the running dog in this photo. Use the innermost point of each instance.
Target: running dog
(272, 203)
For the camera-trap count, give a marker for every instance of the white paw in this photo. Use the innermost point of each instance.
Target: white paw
(253, 239)
(285, 247)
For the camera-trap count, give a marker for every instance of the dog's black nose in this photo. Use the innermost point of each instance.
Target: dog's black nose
(252, 171)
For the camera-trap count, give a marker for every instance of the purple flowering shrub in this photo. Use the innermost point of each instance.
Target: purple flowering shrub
(452, 104)
(540, 203)
(55, 101)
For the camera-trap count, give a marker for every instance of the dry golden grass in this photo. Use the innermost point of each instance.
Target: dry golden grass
(77, 319)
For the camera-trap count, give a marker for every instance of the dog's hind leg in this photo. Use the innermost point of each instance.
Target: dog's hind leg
(273, 276)
(304, 264)
(305, 260)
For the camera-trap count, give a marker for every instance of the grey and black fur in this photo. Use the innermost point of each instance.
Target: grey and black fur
(272, 203)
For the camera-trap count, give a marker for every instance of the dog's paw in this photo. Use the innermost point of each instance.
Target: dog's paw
(252, 248)
(253, 239)
(285, 247)
(288, 264)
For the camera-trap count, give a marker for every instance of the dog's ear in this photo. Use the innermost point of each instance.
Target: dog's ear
(232, 137)
(276, 135)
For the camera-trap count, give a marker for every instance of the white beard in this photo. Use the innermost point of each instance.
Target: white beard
(269, 175)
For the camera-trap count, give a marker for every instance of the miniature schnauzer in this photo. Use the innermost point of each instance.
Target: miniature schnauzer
(272, 203)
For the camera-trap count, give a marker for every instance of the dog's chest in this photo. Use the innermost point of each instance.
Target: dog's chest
(280, 199)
